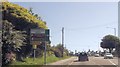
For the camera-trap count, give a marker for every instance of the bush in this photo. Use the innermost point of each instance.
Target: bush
(58, 53)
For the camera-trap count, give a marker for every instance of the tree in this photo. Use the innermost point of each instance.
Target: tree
(12, 36)
(22, 20)
(58, 50)
(109, 42)
(31, 11)
(11, 40)
(71, 53)
(20, 17)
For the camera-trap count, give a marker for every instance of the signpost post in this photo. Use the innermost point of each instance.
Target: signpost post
(34, 48)
(45, 43)
(45, 53)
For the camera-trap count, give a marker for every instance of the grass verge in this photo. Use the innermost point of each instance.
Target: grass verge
(39, 61)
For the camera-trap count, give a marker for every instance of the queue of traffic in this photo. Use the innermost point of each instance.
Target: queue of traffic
(84, 56)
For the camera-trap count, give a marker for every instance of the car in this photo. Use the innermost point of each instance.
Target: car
(83, 57)
(102, 54)
(96, 55)
(76, 54)
(108, 55)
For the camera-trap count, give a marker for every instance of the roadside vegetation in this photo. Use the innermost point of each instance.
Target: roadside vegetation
(17, 49)
(39, 61)
(111, 42)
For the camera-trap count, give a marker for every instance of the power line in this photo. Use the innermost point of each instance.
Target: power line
(90, 27)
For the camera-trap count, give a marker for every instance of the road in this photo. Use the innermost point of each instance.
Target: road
(98, 61)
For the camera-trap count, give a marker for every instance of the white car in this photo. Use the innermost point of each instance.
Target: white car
(96, 55)
(108, 55)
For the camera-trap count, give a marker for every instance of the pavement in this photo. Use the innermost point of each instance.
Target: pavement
(63, 62)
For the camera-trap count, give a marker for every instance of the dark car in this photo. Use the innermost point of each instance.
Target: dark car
(76, 54)
(83, 57)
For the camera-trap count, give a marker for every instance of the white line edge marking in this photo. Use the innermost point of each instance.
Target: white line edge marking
(71, 63)
(111, 62)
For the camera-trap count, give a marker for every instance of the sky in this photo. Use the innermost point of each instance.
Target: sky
(63, 0)
(85, 23)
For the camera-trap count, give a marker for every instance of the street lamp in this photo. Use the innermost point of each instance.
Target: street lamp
(113, 29)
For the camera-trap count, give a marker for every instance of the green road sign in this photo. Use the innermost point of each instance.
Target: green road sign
(47, 35)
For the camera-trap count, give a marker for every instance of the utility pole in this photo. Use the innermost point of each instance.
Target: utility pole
(62, 41)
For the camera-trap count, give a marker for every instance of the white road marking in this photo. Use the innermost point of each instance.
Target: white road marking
(111, 62)
(70, 63)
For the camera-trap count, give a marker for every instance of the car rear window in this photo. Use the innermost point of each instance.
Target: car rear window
(83, 54)
(108, 54)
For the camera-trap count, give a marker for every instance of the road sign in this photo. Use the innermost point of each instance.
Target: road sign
(47, 35)
(34, 46)
(36, 42)
(38, 31)
(39, 35)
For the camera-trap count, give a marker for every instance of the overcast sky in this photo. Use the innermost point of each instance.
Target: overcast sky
(85, 23)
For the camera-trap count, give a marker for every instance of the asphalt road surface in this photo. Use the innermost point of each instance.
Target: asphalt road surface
(99, 61)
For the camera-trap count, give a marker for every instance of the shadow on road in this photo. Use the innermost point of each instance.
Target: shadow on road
(78, 61)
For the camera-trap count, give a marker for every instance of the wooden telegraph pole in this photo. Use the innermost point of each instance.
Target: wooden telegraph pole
(62, 41)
